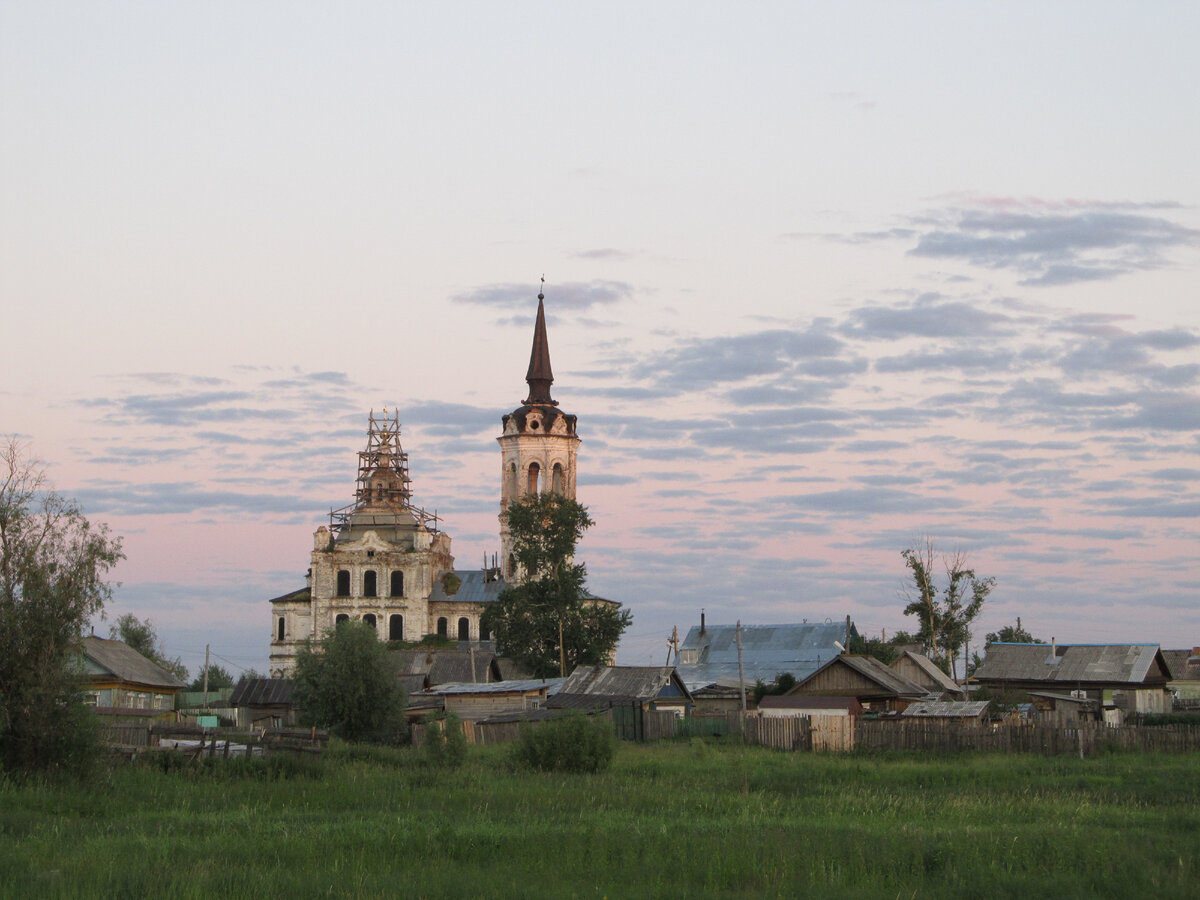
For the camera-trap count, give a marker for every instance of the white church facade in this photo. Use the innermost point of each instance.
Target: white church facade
(385, 561)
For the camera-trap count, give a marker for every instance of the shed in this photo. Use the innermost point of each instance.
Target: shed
(775, 706)
(971, 711)
(652, 687)
(478, 701)
(264, 703)
(1062, 709)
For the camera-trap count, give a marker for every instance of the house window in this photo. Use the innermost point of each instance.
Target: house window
(535, 472)
(341, 617)
(343, 583)
(396, 628)
(464, 629)
(369, 618)
(279, 629)
(443, 627)
(370, 580)
(397, 584)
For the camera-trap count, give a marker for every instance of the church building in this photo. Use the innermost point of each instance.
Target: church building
(386, 561)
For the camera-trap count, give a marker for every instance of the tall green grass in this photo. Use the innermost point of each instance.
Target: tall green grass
(669, 820)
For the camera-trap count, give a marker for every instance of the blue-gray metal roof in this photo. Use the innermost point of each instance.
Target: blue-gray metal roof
(711, 657)
(475, 586)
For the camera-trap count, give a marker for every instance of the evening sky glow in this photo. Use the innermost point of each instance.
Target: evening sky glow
(819, 280)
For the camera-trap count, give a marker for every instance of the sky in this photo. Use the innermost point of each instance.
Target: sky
(821, 280)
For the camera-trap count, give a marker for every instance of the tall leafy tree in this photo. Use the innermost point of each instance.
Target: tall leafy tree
(142, 637)
(549, 622)
(1012, 634)
(217, 678)
(944, 613)
(53, 562)
(347, 683)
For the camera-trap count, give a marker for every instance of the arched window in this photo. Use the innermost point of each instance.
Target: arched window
(343, 585)
(556, 482)
(484, 634)
(279, 629)
(369, 618)
(464, 629)
(443, 626)
(513, 487)
(397, 583)
(341, 617)
(370, 582)
(535, 474)
(396, 628)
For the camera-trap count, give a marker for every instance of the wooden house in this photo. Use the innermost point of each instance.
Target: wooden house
(920, 669)
(874, 685)
(1062, 710)
(648, 687)
(1121, 678)
(124, 686)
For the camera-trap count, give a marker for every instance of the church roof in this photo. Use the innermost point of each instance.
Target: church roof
(475, 586)
(540, 376)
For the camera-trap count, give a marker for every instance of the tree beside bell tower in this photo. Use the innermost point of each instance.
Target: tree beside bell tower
(538, 447)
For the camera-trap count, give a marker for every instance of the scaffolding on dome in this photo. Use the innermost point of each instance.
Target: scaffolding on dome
(383, 458)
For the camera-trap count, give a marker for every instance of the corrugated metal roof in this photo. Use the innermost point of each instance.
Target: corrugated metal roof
(474, 587)
(522, 686)
(262, 692)
(643, 682)
(122, 661)
(946, 709)
(1069, 663)
(767, 652)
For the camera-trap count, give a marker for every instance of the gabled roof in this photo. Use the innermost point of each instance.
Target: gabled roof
(300, 595)
(262, 692)
(1073, 664)
(946, 709)
(445, 665)
(642, 682)
(121, 661)
(475, 586)
(1178, 667)
(930, 670)
(767, 651)
(872, 670)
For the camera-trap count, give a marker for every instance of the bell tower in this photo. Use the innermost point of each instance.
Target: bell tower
(539, 445)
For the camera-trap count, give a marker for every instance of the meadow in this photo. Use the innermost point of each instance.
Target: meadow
(674, 819)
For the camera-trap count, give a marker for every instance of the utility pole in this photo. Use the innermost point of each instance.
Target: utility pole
(847, 632)
(673, 644)
(206, 677)
(741, 671)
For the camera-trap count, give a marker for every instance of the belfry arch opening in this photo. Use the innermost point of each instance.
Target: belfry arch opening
(535, 478)
(557, 482)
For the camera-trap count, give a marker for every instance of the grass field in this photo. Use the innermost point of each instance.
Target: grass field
(668, 820)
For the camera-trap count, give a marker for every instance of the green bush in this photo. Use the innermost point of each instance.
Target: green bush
(445, 743)
(574, 743)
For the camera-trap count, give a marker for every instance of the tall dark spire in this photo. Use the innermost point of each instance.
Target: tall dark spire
(539, 376)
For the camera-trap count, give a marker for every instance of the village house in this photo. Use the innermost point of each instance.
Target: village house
(123, 686)
(920, 669)
(264, 703)
(1183, 666)
(1120, 678)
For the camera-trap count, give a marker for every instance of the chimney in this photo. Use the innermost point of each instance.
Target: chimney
(1053, 660)
(702, 621)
